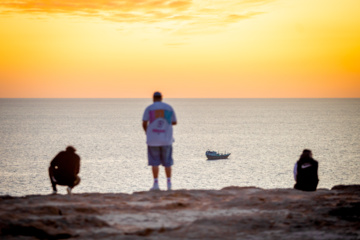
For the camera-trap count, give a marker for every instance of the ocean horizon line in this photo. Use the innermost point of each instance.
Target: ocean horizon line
(85, 98)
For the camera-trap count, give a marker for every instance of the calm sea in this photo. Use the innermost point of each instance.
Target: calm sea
(264, 136)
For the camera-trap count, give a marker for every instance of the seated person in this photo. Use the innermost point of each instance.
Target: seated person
(64, 169)
(306, 172)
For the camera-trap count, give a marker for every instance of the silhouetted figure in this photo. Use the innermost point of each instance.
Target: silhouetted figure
(158, 119)
(64, 169)
(306, 172)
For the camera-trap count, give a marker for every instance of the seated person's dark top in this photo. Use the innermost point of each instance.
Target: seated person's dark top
(306, 174)
(65, 166)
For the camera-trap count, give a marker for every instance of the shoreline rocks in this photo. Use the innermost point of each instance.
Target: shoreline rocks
(229, 213)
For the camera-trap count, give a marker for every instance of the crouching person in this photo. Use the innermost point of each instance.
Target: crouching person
(64, 169)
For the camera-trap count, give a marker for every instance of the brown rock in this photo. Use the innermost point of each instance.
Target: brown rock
(230, 213)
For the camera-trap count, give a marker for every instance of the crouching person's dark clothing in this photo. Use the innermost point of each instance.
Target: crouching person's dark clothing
(64, 169)
(306, 174)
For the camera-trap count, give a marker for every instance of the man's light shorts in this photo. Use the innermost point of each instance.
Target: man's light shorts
(160, 155)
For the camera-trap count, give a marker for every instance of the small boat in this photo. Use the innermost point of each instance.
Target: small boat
(212, 155)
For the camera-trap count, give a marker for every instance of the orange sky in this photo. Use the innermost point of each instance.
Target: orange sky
(184, 48)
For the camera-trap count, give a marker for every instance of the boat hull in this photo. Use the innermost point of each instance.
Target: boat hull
(209, 157)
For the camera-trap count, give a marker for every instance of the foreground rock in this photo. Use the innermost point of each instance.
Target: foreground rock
(230, 213)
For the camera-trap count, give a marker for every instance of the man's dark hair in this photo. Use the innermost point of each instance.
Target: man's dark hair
(70, 149)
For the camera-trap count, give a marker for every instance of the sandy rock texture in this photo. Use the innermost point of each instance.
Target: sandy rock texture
(229, 213)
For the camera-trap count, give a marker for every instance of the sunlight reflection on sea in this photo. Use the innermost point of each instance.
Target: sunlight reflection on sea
(265, 138)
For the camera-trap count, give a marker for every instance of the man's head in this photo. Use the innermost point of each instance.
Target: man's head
(306, 153)
(157, 97)
(70, 149)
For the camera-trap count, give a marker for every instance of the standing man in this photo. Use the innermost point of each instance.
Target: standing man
(158, 119)
(64, 169)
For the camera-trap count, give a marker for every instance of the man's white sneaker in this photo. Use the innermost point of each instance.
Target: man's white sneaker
(168, 186)
(155, 187)
(68, 189)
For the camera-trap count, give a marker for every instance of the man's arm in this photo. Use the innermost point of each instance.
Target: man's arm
(144, 125)
(173, 119)
(56, 160)
(77, 167)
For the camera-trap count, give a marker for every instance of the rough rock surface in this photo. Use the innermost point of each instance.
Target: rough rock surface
(230, 213)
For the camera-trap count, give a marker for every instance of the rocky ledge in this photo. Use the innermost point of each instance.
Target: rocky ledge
(229, 213)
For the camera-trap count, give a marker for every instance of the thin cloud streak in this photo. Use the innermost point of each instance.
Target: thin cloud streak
(236, 17)
(92, 6)
(178, 14)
